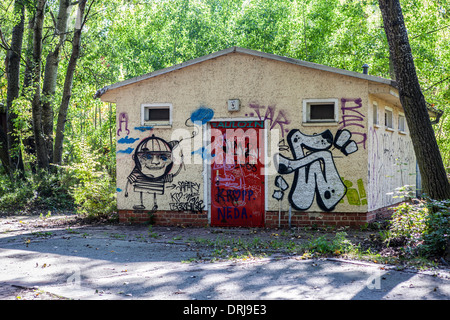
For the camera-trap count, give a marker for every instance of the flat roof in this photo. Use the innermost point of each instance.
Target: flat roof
(255, 53)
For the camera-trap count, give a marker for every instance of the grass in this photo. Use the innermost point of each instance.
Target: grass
(239, 248)
(305, 245)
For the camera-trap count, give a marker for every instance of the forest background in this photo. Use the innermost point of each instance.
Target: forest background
(69, 161)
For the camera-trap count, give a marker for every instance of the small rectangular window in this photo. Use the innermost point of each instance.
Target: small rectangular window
(320, 110)
(156, 114)
(388, 118)
(401, 123)
(376, 121)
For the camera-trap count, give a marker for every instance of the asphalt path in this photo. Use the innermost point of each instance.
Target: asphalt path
(108, 262)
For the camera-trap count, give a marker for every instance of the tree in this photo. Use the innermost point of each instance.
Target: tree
(36, 106)
(51, 74)
(13, 72)
(434, 178)
(68, 82)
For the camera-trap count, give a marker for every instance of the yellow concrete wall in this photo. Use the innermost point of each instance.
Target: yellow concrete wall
(273, 86)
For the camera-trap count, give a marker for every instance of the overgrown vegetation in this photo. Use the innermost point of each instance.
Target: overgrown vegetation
(421, 230)
(40, 191)
(85, 187)
(286, 243)
(416, 236)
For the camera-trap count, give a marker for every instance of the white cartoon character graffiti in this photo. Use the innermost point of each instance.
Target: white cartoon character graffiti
(154, 163)
(315, 174)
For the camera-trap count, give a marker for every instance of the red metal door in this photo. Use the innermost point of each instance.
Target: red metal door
(237, 173)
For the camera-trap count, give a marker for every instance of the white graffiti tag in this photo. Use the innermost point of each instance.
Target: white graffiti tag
(314, 169)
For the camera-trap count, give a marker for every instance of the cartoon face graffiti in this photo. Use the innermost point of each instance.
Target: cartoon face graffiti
(153, 157)
(153, 161)
(153, 164)
(315, 174)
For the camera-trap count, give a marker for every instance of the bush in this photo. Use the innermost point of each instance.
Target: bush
(95, 197)
(84, 186)
(94, 192)
(437, 233)
(39, 191)
(422, 229)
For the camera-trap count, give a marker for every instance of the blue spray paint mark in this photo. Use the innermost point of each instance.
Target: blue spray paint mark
(127, 151)
(202, 114)
(119, 190)
(142, 129)
(203, 152)
(127, 140)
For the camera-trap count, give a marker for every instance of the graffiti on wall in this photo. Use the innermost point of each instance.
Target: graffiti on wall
(198, 118)
(392, 164)
(356, 194)
(123, 127)
(185, 196)
(154, 166)
(315, 173)
(123, 121)
(353, 119)
(279, 120)
(237, 188)
(127, 140)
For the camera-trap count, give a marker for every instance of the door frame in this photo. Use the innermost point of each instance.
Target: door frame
(207, 164)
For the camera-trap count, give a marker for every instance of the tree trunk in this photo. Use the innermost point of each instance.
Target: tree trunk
(67, 92)
(29, 145)
(28, 52)
(13, 89)
(4, 155)
(50, 76)
(434, 178)
(36, 107)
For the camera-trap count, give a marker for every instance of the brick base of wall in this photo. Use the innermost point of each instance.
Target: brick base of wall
(319, 219)
(272, 218)
(308, 219)
(165, 218)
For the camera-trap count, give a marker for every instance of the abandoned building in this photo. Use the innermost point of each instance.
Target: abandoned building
(245, 138)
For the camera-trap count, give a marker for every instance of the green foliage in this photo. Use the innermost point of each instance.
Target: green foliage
(423, 229)
(337, 245)
(437, 233)
(40, 191)
(94, 191)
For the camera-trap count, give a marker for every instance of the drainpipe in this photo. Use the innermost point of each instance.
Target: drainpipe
(290, 214)
(279, 213)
